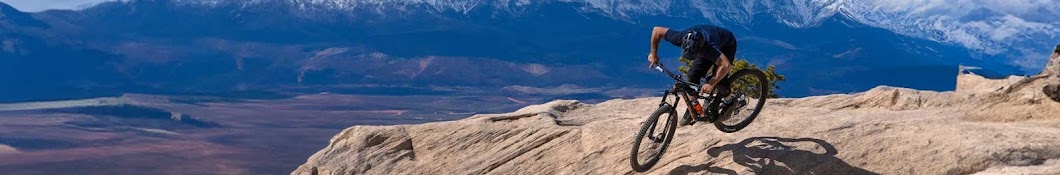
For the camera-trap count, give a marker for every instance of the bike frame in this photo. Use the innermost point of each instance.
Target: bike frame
(681, 89)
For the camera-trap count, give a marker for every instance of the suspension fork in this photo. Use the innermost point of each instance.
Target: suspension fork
(666, 94)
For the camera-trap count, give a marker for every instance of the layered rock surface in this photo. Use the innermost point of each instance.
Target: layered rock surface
(1052, 70)
(1010, 128)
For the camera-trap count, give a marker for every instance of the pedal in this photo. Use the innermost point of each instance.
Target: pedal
(688, 120)
(711, 116)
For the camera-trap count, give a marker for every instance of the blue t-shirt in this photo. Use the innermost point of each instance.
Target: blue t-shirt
(717, 41)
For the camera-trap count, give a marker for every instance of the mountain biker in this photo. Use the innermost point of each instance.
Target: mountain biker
(706, 46)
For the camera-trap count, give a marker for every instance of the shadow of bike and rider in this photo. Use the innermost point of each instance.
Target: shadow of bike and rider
(774, 155)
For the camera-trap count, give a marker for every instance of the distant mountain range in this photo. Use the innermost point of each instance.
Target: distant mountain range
(221, 46)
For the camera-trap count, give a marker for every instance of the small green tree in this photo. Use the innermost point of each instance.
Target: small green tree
(771, 75)
(684, 66)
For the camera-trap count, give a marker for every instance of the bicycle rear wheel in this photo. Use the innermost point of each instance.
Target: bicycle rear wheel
(748, 95)
(654, 138)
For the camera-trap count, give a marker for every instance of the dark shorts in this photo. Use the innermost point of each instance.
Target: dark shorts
(718, 41)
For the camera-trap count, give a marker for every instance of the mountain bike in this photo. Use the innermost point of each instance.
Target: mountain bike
(732, 113)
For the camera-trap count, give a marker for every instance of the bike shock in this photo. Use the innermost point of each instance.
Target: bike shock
(698, 107)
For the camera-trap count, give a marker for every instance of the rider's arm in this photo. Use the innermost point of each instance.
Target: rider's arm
(660, 33)
(723, 70)
(657, 34)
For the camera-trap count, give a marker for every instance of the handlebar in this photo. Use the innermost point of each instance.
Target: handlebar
(677, 77)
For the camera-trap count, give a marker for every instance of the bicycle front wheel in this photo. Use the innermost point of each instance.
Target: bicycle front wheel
(651, 141)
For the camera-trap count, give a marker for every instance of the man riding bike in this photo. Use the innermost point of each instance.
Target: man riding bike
(706, 46)
(734, 100)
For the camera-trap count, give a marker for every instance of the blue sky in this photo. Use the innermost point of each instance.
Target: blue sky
(40, 5)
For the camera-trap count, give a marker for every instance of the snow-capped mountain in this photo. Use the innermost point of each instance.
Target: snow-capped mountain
(1016, 29)
(826, 46)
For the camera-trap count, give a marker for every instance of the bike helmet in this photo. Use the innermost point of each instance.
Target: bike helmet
(690, 44)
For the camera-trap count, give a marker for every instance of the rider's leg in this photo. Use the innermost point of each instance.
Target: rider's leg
(699, 69)
(723, 91)
(696, 71)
